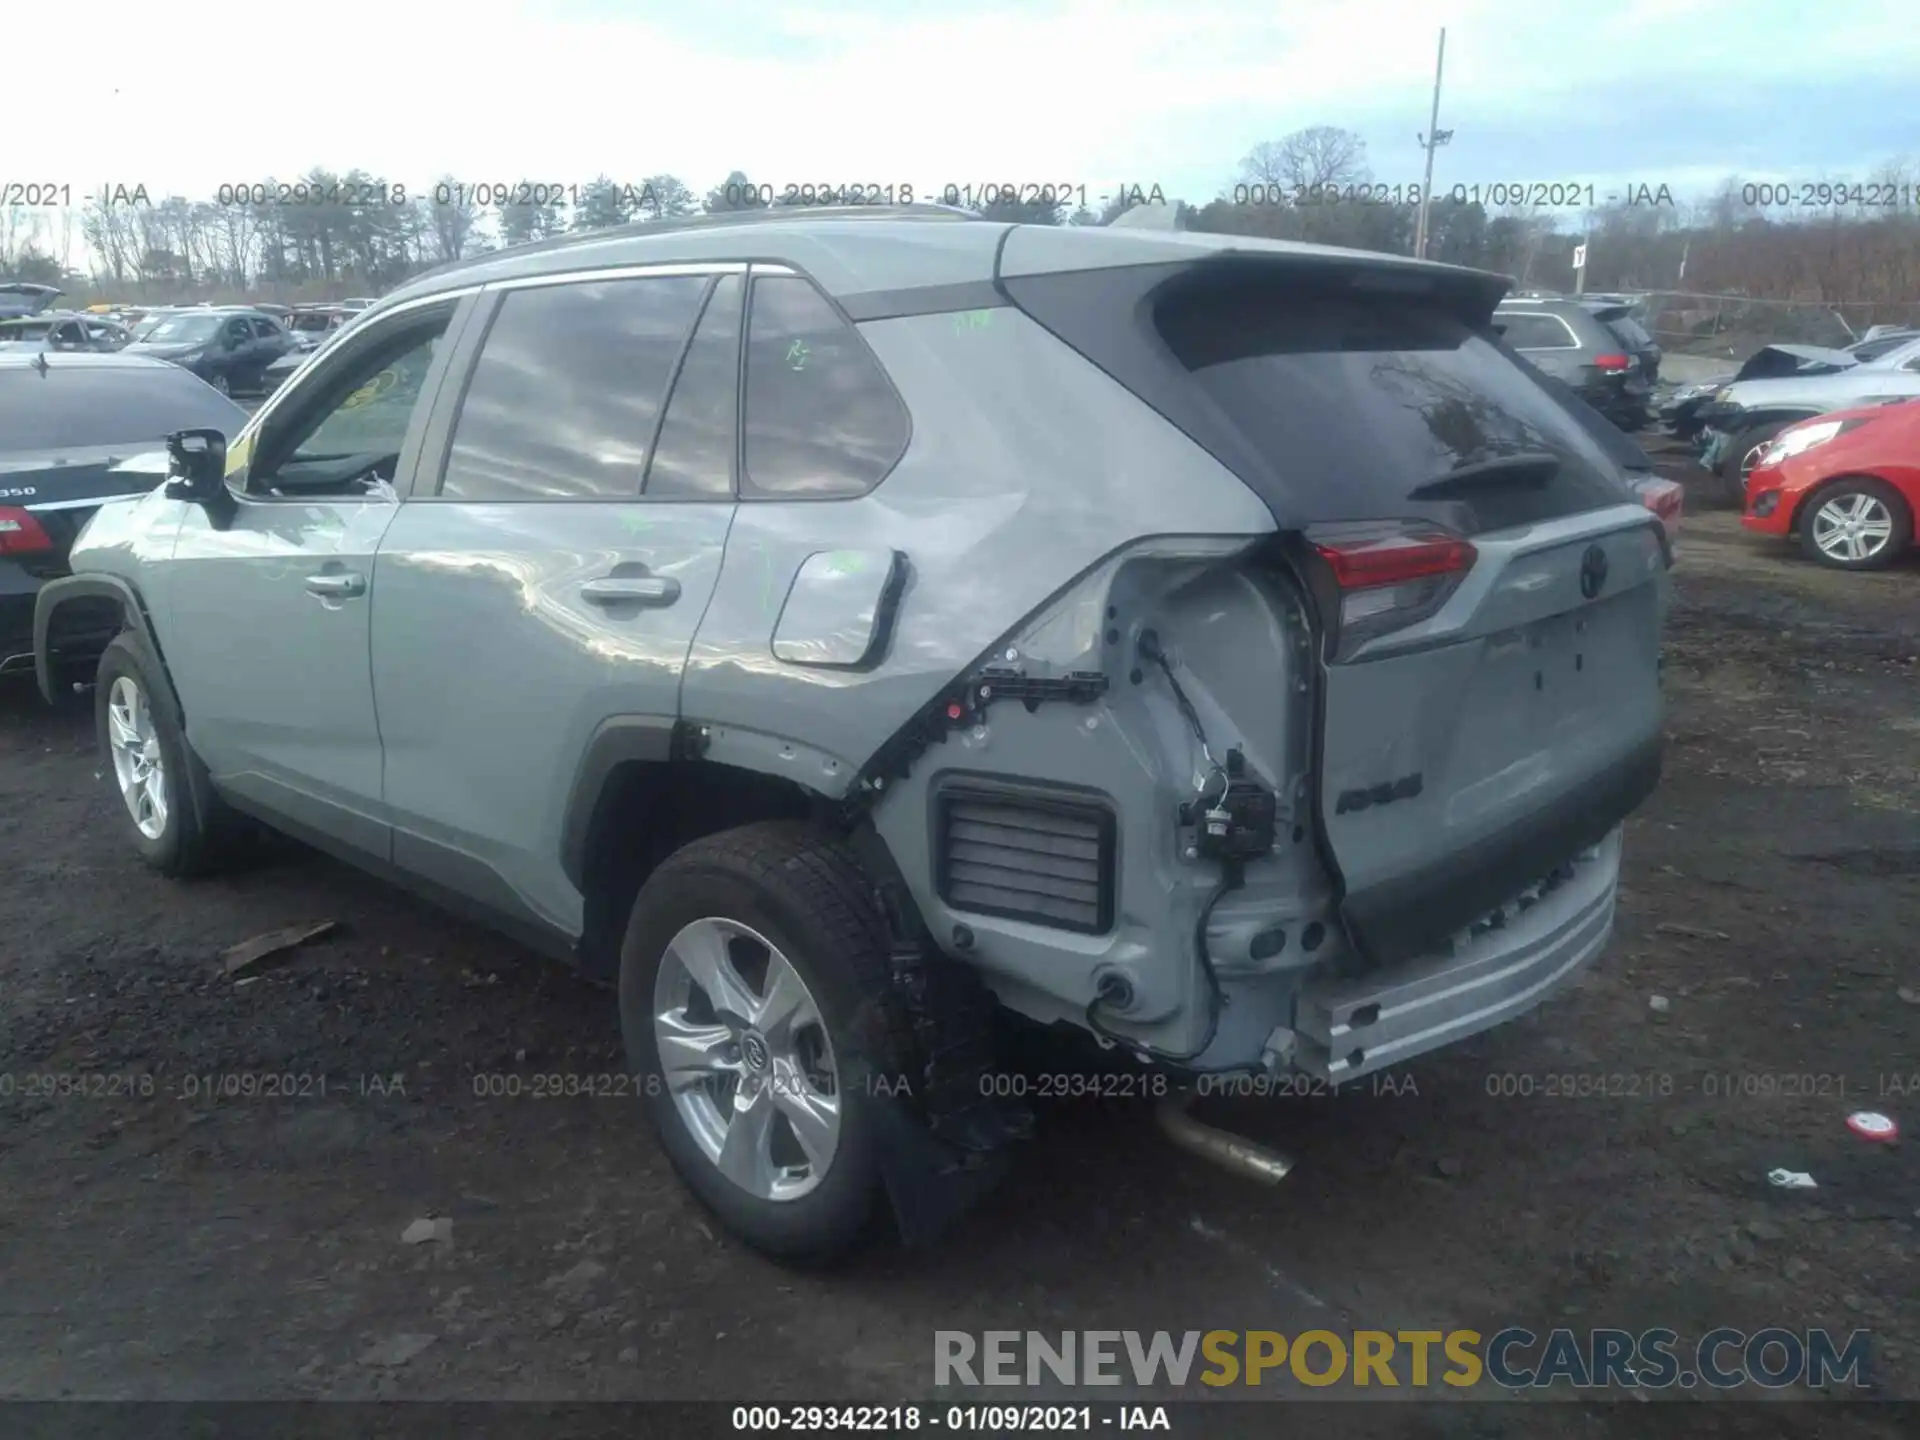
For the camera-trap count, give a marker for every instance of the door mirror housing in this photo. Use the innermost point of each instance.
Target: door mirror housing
(197, 471)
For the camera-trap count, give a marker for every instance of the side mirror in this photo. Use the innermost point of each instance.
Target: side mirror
(197, 470)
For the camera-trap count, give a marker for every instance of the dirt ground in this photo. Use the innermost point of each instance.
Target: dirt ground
(166, 1245)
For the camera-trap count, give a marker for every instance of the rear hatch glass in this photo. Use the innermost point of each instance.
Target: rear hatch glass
(1362, 404)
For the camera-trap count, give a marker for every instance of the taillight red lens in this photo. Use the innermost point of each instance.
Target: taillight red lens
(1613, 364)
(20, 533)
(1394, 559)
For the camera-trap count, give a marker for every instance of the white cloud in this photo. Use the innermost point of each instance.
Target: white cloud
(497, 90)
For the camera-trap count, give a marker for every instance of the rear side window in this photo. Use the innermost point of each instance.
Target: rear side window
(693, 458)
(1361, 406)
(822, 419)
(566, 394)
(1524, 331)
(130, 405)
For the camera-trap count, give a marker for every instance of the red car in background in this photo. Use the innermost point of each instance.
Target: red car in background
(1847, 485)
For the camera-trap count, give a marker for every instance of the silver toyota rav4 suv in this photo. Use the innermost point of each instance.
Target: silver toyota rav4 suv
(827, 627)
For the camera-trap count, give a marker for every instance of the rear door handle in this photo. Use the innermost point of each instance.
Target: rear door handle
(336, 586)
(631, 590)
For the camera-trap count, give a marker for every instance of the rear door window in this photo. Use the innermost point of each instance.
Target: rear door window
(1525, 330)
(566, 394)
(132, 405)
(1361, 406)
(822, 419)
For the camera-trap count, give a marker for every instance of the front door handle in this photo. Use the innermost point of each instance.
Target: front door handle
(631, 590)
(336, 586)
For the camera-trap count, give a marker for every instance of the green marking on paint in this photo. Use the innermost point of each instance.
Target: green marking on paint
(798, 355)
(639, 524)
(972, 320)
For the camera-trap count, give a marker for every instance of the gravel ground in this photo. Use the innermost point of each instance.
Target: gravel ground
(169, 1245)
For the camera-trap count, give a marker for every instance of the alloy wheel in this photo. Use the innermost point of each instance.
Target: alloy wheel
(1852, 527)
(138, 765)
(747, 1060)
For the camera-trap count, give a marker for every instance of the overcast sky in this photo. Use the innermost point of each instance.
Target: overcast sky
(930, 92)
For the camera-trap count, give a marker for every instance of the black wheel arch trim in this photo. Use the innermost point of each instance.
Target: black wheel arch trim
(648, 739)
(133, 608)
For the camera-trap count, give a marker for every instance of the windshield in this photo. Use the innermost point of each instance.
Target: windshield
(1879, 349)
(184, 329)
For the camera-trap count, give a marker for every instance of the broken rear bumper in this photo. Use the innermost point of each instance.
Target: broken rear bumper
(1502, 966)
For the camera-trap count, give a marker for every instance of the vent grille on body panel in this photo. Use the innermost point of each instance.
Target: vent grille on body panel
(1026, 854)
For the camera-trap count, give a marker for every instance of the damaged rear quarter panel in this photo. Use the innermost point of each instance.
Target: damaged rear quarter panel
(1029, 473)
(1026, 467)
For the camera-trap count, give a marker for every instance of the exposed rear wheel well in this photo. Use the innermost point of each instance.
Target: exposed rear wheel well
(646, 811)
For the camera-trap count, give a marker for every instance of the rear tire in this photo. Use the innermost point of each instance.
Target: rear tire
(147, 760)
(764, 1107)
(1856, 524)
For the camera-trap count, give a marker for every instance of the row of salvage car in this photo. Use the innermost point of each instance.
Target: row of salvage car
(1817, 445)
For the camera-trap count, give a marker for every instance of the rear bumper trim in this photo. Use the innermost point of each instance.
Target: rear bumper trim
(1353, 1027)
(1406, 916)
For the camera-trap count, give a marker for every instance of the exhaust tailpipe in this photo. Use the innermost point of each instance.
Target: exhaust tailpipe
(1229, 1151)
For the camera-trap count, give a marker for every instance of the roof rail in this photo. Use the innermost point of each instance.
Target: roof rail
(726, 219)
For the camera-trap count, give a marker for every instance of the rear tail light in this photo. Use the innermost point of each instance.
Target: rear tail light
(1379, 579)
(1613, 364)
(20, 533)
(1666, 499)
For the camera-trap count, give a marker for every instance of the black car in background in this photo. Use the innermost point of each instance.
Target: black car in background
(1565, 338)
(1619, 318)
(228, 347)
(76, 431)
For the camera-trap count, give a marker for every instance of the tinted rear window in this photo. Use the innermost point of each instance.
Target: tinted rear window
(1356, 403)
(75, 406)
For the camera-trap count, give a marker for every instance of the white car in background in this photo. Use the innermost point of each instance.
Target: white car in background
(1744, 417)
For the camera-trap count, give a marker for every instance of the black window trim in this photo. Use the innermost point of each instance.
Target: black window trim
(673, 389)
(745, 490)
(431, 481)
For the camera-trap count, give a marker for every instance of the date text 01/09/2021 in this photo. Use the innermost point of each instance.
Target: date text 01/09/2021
(973, 1419)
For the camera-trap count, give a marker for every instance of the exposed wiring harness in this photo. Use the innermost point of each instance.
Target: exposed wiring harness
(1233, 875)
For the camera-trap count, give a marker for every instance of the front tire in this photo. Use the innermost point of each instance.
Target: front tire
(1742, 454)
(1860, 524)
(147, 759)
(758, 1018)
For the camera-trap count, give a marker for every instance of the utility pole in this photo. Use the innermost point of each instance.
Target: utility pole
(1430, 142)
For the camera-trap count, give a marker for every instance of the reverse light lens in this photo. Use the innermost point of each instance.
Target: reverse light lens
(20, 533)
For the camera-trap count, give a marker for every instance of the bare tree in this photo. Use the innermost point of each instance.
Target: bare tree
(1320, 155)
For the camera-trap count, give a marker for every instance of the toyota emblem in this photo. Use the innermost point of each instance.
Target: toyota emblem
(754, 1049)
(1593, 571)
